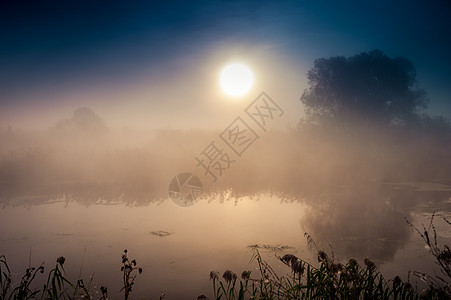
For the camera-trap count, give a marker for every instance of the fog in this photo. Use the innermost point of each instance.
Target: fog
(97, 185)
(347, 178)
(302, 162)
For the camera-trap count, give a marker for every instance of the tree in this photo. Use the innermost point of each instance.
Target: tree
(368, 89)
(84, 121)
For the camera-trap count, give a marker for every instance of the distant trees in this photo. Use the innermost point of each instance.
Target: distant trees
(369, 111)
(83, 121)
(368, 90)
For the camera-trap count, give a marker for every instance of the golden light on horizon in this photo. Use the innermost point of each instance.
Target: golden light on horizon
(236, 79)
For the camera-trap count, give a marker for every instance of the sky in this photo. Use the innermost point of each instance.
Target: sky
(153, 64)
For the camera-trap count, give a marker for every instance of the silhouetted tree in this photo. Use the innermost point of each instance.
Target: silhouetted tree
(368, 89)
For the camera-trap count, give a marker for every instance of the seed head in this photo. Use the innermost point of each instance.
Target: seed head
(445, 256)
(214, 275)
(369, 264)
(337, 268)
(322, 256)
(229, 276)
(288, 258)
(353, 263)
(61, 260)
(397, 280)
(297, 267)
(245, 275)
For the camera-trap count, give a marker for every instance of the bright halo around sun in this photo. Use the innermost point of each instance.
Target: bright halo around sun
(236, 80)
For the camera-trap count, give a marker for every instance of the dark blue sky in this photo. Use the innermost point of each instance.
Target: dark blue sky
(58, 55)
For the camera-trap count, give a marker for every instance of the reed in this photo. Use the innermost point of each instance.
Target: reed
(326, 280)
(58, 286)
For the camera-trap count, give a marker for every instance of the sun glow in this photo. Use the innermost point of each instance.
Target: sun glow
(236, 80)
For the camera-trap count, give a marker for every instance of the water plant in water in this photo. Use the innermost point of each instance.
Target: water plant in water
(440, 284)
(23, 290)
(58, 286)
(128, 266)
(328, 280)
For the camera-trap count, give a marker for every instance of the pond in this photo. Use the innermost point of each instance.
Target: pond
(177, 247)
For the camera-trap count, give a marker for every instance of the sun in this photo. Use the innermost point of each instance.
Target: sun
(236, 79)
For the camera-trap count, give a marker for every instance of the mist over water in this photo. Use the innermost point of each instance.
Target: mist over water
(81, 184)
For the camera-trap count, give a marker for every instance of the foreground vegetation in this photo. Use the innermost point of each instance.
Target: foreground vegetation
(332, 280)
(58, 286)
(328, 280)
